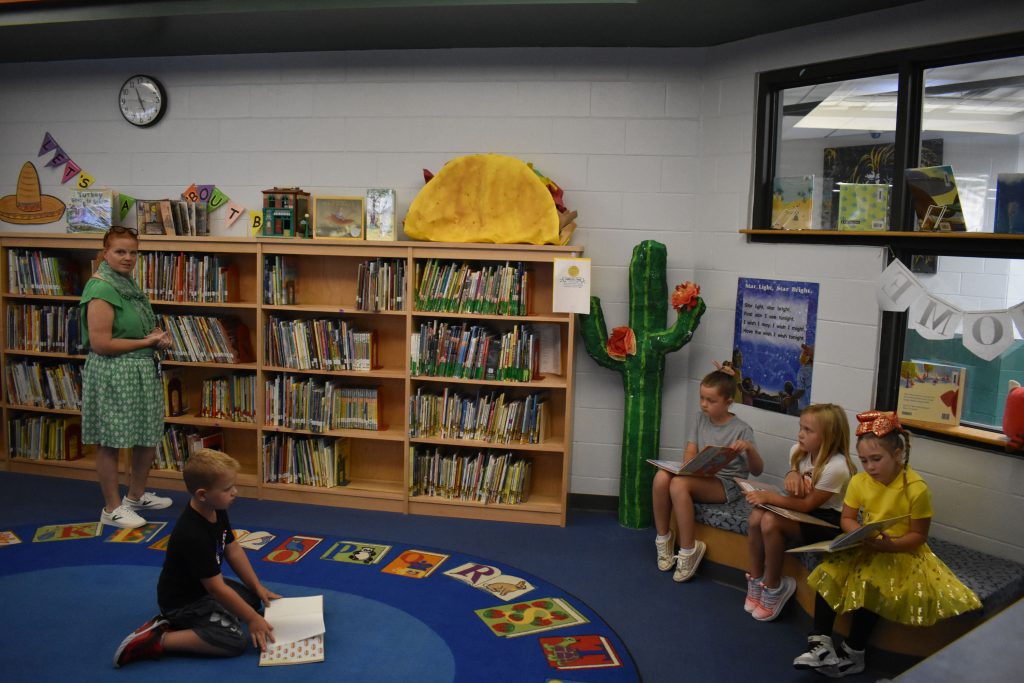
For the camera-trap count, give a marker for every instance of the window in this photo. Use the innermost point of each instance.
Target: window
(869, 119)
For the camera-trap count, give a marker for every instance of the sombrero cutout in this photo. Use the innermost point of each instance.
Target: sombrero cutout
(28, 206)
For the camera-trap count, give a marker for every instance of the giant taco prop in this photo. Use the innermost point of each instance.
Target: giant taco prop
(489, 198)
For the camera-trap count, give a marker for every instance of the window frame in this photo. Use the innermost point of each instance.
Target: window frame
(910, 66)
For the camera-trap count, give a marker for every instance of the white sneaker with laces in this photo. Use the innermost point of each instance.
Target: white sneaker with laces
(666, 558)
(686, 565)
(820, 653)
(123, 517)
(849, 662)
(754, 589)
(147, 501)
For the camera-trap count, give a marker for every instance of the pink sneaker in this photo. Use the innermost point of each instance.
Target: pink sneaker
(754, 588)
(773, 600)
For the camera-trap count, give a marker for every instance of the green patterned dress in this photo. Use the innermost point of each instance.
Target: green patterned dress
(122, 395)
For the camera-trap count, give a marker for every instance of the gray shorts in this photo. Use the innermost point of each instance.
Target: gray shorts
(732, 489)
(214, 624)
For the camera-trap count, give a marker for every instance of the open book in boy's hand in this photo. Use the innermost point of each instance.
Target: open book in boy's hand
(707, 463)
(848, 540)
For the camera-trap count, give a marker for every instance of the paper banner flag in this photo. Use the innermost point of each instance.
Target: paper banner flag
(217, 200)
(988, 333)
(256, 221)
(933, 318)
(125, 204)
(49, 144)
(204, 192)
(897, 288)
(70, 171)
(1017, 313)
(59, 159)
(191, 194)
(84, 180)
(234, 212)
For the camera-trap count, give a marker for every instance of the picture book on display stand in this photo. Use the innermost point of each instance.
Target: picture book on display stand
(863, 206)
(1009, 203)
(931, 392)
(936, 199)
(793, 202)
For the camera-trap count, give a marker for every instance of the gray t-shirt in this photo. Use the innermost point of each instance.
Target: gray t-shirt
(704, 433)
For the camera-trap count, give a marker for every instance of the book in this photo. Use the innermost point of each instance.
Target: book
(792, 202)
(707, 463)
(1009, 203)
(579, 652)
(931, 392)
(863, 206)
(90, 210)
(380, 214)
(935, 198)
(530, 616)
(850, 539)
(490, 579)
(795, 515)
(298, 631)
(148, 217)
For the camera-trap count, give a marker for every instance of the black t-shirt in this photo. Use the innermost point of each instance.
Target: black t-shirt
(194, 552)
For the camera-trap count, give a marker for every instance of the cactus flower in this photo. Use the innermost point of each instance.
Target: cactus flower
(621, 343)
(685, 295)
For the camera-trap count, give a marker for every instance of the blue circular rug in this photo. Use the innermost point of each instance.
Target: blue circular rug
(392, 613)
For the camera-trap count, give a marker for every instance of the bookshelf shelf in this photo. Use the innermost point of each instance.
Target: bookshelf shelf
(323, 280)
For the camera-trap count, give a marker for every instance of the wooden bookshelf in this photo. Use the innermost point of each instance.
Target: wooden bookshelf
(325, 288)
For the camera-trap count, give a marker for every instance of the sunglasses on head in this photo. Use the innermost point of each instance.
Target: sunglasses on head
(121, 230)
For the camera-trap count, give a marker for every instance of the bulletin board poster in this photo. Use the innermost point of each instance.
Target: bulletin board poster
(773, 346)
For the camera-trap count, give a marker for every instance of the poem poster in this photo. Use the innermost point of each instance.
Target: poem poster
(773, 347)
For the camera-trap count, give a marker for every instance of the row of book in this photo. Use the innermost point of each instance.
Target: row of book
(230, 398)
(172, 217)
(485, 477)
(279, 277)
(474, 352)
(204, 278)
(51, 328)
(453, 287)
(318, 405)
(30, 271)
(45, 437)
(319, 344)
(309, 461)
(207, 339)
(380, 285)
(493, 417)
(47, 386)
(179, 443)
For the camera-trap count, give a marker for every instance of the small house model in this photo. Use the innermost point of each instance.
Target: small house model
(286, 212)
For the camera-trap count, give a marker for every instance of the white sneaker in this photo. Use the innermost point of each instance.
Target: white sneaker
(820, 653)
(148, 501)
(122, 516)
(849, 662)
(686, 565)
(754, 589)
(666, 556)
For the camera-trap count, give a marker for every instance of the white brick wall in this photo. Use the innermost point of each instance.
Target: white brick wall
(647, 143)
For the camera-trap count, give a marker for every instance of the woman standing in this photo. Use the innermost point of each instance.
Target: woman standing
(122, 396)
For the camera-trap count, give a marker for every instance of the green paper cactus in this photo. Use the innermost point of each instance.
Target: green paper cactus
(638, 354)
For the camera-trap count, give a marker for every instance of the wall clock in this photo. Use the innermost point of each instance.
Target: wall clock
(142, 101)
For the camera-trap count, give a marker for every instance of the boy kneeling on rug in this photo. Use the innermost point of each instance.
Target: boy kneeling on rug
(201, 612)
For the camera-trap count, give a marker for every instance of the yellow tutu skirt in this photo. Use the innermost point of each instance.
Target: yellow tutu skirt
(914, 588)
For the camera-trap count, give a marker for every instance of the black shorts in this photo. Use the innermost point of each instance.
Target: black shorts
(814, 533)
(212, 622)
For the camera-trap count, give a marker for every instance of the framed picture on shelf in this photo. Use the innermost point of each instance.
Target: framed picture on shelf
(380, 214)
(338, 218)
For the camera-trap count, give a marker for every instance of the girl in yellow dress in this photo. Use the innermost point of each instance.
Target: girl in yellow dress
(893, 575)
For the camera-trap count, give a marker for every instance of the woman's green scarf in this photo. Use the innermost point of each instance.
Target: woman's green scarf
(130, 292)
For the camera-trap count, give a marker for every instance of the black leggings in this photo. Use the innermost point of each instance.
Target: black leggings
(862, 622)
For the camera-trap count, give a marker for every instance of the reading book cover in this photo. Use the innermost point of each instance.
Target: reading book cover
(521, 618)
(579, 652)
(415, 564)
(354, 552)
(795, 515)
(66, 532)
(8, 538)
(851, 539)
(292, 549)
(707, 463)
(792, 202)
(145, 533)
(491, 579)
(863, 206)
(931, 392)
(253, 540)
(935, 198)
(1009, 203)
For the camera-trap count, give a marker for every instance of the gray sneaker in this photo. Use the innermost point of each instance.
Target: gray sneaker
(686, 565)
(666, 559)
(123, 517)
(147, 501)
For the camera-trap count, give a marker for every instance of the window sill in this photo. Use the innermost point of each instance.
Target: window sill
(962, 243)
(968, 436)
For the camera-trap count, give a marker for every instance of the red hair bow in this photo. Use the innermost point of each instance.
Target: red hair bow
(878, 423)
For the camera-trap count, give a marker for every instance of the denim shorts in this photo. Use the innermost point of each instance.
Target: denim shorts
(212, 622)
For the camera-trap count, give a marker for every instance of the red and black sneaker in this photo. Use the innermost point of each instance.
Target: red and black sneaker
(145, 642)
